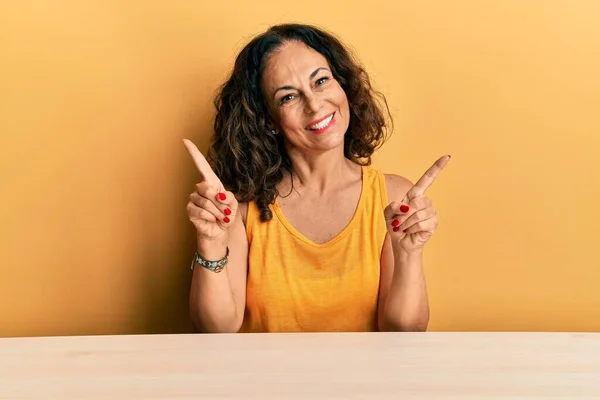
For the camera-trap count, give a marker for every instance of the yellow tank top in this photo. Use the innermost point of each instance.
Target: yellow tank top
(296, 285)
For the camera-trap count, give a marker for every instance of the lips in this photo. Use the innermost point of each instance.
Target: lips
(321, 123)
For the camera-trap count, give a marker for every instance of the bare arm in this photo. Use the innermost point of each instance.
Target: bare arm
(411, 220)
(403, 303)
(218, 300)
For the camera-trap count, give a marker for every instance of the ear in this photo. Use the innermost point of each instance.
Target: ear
(272, 129)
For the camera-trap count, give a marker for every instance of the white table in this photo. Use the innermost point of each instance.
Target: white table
(303, 366)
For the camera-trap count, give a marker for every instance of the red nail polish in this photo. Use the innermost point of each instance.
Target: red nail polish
(396, 228)
(404, 208)
(222, 196)
(395, 223)
(227, 211)
(226, 220)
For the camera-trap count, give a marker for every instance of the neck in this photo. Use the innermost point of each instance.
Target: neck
(321, 173)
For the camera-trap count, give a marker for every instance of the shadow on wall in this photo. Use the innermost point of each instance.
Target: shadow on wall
(166, 276)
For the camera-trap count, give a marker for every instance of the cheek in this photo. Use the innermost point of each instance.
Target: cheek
(290, 118)
(344, 106)
(341, 99)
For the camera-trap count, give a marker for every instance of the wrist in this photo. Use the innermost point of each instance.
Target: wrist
(408, 257)
(212, 249)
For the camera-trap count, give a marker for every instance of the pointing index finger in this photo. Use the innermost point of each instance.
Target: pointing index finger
(203, 166)
(427, 179)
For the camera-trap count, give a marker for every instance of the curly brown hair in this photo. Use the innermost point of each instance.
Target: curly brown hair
(247, 157)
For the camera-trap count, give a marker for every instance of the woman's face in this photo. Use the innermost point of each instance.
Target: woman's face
(308, 106)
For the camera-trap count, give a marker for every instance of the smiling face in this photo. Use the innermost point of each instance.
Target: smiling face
(308, 106)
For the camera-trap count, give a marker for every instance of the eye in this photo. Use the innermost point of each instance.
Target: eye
(286, 98)
(321, 81)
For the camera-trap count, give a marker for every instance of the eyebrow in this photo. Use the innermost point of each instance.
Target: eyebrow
(312, 75)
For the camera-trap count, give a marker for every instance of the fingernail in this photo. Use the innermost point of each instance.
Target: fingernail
(222, 196)
(396, 228)
(395, 223)
(226, 220)
(404, 208)
(227, 211)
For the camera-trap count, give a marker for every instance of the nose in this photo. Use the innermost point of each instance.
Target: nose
(312, 103)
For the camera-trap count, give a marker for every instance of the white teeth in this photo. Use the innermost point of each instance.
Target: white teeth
(321, 124)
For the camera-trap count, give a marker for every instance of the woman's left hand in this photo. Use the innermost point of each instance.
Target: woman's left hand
(412, 221)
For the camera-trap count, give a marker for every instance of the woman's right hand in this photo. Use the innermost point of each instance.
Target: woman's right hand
(211, 208)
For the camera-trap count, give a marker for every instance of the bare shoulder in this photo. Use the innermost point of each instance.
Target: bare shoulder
(397, 186)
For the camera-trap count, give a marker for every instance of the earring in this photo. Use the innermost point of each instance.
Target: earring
(273, 132)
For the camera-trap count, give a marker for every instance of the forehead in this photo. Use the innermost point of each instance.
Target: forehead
(292, 62)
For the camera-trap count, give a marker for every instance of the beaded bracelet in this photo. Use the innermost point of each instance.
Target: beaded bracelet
(214, 266)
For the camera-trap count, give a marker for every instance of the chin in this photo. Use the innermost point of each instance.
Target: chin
(330, 142)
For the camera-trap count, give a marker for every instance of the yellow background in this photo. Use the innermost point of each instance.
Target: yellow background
(96, 97)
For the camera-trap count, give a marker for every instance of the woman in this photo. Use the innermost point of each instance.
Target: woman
(295, 230)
